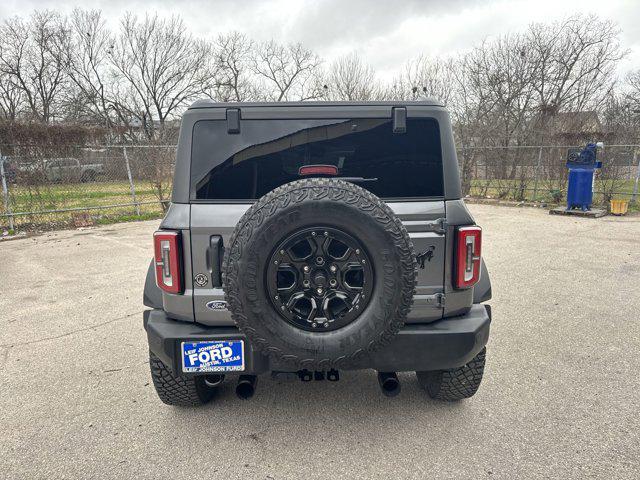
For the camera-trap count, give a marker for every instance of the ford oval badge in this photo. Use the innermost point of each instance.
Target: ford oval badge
(217, 305)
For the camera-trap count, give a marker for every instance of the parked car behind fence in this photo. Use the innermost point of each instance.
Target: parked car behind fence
(62, 170)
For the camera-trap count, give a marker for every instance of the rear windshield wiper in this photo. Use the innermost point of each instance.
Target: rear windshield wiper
(357, 179)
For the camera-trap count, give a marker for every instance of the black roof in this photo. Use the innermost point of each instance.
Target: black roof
(207, 103)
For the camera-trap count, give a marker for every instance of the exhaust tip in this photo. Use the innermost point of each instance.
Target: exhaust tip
(213, 380)
(389, 383)
(246, 386)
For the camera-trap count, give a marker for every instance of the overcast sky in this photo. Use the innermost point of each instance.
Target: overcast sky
(384, 33)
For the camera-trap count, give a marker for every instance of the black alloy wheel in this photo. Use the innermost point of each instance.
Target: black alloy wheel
(319, 278)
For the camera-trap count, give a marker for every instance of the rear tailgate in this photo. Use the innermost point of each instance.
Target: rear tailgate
(212, 226)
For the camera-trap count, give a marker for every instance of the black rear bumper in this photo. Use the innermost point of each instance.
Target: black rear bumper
(444, 344)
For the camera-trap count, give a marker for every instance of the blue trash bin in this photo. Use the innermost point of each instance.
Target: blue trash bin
(582, 165)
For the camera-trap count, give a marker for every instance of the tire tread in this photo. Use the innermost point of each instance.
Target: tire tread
(177, 390)
(456, 383)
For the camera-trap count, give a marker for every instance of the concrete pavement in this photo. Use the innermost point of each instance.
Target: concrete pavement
(560, 398)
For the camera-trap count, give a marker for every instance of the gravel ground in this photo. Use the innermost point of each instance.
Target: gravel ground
(560, 397)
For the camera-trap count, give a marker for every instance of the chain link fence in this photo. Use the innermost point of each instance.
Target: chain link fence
(46, 187)
(539, 173)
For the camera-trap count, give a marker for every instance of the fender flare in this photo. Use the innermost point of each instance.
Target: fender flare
(482, 289)
(152, 296)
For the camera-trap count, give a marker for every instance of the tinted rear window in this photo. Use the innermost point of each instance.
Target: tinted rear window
(269, 153)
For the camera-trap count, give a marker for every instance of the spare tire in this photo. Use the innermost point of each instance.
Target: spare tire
(318, 273)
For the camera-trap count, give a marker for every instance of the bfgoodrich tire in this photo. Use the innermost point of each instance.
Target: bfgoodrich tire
(178, 390)
(316, 207)
(457, 383)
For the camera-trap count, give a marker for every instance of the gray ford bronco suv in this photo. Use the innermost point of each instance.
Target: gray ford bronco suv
(307, 238)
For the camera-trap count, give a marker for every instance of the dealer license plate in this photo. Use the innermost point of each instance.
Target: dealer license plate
(219, 356)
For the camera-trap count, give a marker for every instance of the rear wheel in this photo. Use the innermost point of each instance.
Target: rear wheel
(178, 390)
(456, 383)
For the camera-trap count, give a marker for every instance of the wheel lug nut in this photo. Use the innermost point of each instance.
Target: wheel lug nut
(357, 251)
(333, 268)
(314, 324)
(326, 325)
(313, 234)
(305, 283)
(326, 234)
(319, 290)
(306, 268)
(281, 252)
(333, 282)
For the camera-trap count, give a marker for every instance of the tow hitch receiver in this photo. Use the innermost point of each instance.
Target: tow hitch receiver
(306, 375)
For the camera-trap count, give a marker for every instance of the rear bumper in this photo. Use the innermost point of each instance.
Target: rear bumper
(444, 344)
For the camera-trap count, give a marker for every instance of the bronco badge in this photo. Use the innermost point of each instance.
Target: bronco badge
(201, 279)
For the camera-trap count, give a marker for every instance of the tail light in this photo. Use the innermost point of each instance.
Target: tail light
(167, 258)
(468, 243)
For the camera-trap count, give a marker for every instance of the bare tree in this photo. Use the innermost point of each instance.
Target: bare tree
(501, 76)
(232, 58)
(491, 98)
(466, 106)
(632, 90)
(350, 79)
(424, 77)
(11, 97)
(90, 69)
(620, 116)
(160, 69)
(288, 72)
(573, 62)
(33, 55)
